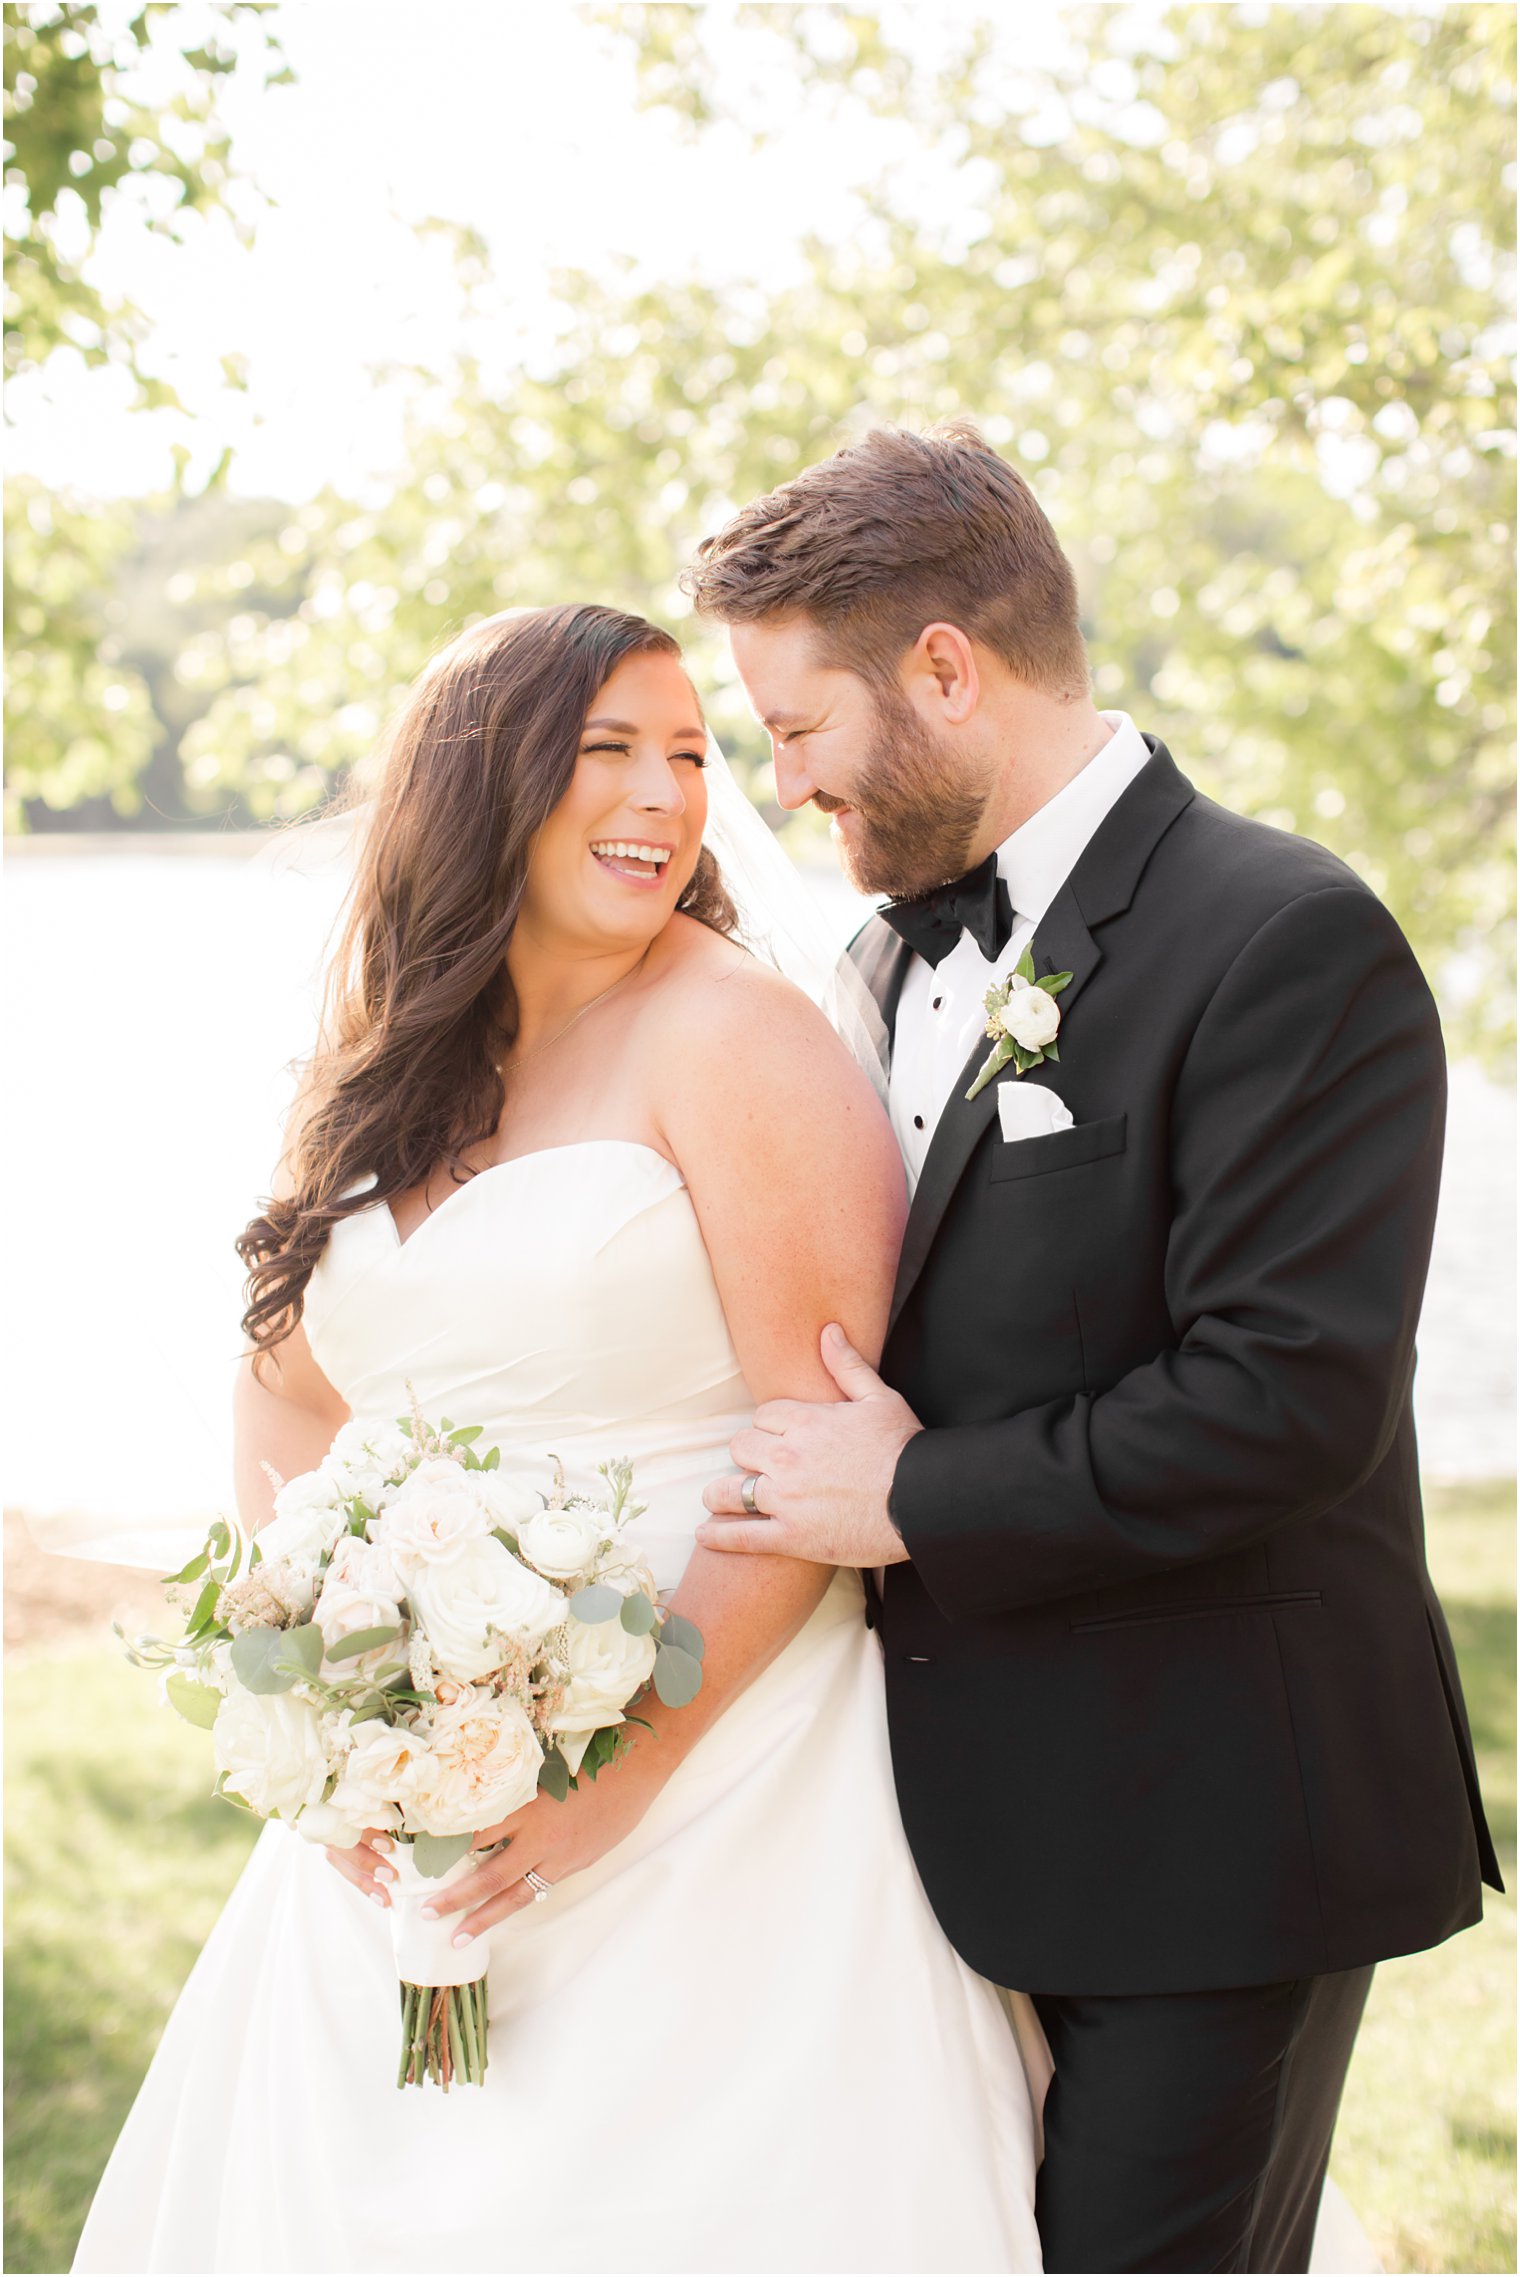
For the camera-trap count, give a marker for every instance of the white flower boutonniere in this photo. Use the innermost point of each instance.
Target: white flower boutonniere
(1023, 1020)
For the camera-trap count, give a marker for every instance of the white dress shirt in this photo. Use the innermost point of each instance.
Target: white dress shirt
(940, 1013)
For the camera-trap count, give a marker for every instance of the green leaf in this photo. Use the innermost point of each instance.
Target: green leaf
(190, 1572)
(302, 1652)
(677, 1675)
(489, 1461)
(254, 1654)
(1050, 1052)
(434, 1854)
(197, 1703)
(1025, 966)
(205, 1606)
(507, 1541)
(468, 1437)
(554, 1776)
(637, 1614)
(997, 1059)
(1053, 983)
(362, 1640)
(679, 1631)
(219, 1540)
(598, 1603)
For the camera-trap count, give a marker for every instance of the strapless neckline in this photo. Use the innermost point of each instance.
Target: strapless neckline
(514, 1162)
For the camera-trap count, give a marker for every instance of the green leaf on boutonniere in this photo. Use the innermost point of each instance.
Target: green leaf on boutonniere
(997, 1059)
(1025, 967)
(1050, 1052)
(1054, 982)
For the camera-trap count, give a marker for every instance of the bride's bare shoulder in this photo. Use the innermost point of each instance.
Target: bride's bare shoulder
(711, 990)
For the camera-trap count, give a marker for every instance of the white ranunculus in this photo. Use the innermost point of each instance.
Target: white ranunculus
(343, 1609)
(562, 1543)
(271, 1746)
(365, 1457)
(479, 1602)
(482, 1763)
(607, 1666)
(378, 1776)
(1031, 1017)
(436, 1511)
(511, 1501)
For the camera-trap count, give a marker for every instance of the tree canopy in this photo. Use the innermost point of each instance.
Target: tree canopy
(1237, 302)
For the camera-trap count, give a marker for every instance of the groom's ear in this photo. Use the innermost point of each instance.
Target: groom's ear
(941, 669)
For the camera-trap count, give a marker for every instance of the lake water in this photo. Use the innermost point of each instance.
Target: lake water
(159, 990)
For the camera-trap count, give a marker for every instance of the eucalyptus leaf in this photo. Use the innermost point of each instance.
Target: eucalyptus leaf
(219, 1540)
(679, 1631)
(598, 1603)
(677, 1676)
(637, 1614)
(302, 1648)
(254, 1654)
(554, 1776)
(197, 1703)
(434, 1854)
(205, 1604)
(362, 1640)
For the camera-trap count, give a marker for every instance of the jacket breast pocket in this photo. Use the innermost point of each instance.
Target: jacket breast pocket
(1058, 1150)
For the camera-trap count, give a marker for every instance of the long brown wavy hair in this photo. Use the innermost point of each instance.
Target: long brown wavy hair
(419, 1010)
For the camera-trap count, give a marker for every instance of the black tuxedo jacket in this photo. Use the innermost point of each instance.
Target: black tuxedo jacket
(1172, 1702)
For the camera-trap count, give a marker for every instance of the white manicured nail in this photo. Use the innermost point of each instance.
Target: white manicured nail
(464, 1938)
(429, 1912)
(377, 1897)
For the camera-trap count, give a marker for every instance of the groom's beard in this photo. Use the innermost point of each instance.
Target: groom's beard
(915, 818)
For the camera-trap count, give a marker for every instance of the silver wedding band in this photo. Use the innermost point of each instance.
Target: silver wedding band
(747, 1494)
(537, 1885)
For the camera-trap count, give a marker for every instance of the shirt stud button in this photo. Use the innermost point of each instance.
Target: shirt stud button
(938, 1001)
(918, 1122)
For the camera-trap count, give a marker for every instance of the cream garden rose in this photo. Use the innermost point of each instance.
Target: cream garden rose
(378, 1775)
(436, 1511)
(481, 1764)
(478, 1602)
(1031, 1018)
(344, 1608)
(606, 1667)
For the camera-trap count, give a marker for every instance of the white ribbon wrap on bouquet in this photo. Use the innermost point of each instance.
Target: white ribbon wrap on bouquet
(425, 1950)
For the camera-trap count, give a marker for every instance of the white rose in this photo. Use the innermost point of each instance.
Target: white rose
(378, 1776)
(366, 1565)
(482, 1764)
(511, 1501)
(479, 1602)
(435, 1512)
(607, 1666)
(628, 1571)
(1031, 1018)
(272, 1748)
(562, 1543)
(343, 1609)
(319, 1822)
(365, 1457)
(308, 1519)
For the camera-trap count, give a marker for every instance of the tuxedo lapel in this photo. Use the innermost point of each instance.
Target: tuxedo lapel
(1062, 943)
(1100, 887)
(882, 957)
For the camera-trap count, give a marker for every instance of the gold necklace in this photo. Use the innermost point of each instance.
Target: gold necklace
(534, 1049)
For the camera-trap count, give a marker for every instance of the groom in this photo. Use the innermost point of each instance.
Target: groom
(1178, 1735)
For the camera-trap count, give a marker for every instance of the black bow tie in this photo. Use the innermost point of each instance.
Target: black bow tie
(977, 904)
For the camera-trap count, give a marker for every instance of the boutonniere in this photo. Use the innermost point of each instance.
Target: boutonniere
(1023, 1020)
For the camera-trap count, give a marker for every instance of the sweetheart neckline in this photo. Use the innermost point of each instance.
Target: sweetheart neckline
(534, 1154)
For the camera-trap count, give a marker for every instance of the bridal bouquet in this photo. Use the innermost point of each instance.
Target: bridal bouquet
(416, 1643)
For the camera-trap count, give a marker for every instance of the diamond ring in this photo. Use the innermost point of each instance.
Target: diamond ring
(537, 1885)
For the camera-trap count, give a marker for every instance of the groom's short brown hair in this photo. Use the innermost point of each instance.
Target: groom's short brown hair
(891, 534)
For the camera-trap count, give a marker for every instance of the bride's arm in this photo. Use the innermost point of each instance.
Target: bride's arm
(798, 1188)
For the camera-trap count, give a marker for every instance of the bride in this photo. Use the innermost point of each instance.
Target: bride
(584, 1172)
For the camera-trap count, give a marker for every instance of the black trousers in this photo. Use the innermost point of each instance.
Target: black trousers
(1191, 2131)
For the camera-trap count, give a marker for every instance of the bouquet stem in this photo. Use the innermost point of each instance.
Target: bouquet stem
(443, 2036)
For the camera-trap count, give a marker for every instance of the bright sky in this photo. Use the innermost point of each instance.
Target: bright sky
(514, 118)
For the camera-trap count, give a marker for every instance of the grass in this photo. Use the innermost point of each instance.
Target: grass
(117, 1863)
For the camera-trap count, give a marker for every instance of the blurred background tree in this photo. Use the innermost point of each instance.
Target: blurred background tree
(95, 112)
(1235, 298)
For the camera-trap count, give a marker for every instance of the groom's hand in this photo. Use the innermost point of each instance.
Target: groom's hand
(822, 1474)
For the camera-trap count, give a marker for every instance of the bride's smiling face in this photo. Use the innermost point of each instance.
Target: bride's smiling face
(618, 852)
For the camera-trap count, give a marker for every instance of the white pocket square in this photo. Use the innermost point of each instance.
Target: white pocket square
(1025, 1110)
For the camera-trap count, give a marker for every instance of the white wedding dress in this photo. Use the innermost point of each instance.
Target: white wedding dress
(738, 2042)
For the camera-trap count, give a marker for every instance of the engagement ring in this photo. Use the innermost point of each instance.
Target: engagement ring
(537, 1885)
